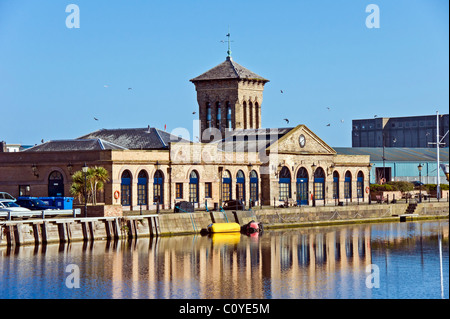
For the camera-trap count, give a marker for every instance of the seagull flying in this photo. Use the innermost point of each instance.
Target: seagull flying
(194, 112)
(287, 121)
(129, 88)
(281, 91)
(328, 124)
(95, 118)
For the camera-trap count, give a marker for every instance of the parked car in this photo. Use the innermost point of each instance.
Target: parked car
(417, 183)
(8, 206)
(34, 204)
(233, 205)
(4, 195)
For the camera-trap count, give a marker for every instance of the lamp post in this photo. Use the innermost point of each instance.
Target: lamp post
(420, 182)
(313, 166)
(85, 170)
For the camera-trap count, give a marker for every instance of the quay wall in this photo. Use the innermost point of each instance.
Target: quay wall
(63, 230)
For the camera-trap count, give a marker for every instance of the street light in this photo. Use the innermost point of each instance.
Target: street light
(85, 170)
(420, 182)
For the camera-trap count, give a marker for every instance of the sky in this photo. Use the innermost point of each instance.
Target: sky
(55, 80)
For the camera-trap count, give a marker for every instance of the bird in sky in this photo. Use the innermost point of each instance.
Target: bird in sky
(287, 121)
(42, 141)
(106, 86)
(194, 112)
(95, 118)
(281, 91)
(328, 108)
(375, 115)
(129, 88)
(342, 121)
(328, 124)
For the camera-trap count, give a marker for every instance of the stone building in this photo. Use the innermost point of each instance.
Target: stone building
(236, 158)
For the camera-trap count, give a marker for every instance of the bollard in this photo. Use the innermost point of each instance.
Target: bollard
(43, 214)
(387, 201)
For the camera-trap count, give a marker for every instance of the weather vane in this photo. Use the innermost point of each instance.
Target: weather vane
(229, 42)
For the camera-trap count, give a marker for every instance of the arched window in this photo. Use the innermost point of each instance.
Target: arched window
(218, 115)
(125, 188)
(250, 119)
(335, 185)
(284, 183)
(240, 186)
(142, 187)
(158, 187)
(348, 185)
(208, 115)
(253, 186)
(226, 186)
(56, 184)
(257, 113)
(193, 187)
(302, 186)
(229, 122)
(360, 185)
(319, 183)
(244, 106)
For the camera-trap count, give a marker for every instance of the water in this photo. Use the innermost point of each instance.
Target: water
(327, 262)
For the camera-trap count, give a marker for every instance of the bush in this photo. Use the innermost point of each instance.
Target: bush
(432, 187)
(402, 186)
(381, 188)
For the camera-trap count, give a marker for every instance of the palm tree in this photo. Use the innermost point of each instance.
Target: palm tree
(96, 177)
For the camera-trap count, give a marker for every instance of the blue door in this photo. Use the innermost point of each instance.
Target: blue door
(302, 191)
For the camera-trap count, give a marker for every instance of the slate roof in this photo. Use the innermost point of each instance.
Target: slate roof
(112, 139)
(136, 138)
(95, 144)
(396, 154)
(228, 70)
(253, 140)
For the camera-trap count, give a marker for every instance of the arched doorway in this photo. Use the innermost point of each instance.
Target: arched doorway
(193, 187)
(142, 188)
(302, 186)
(253, 187)
(56, 184)
(226, 186)
(240, 186)
(125, 188)
(335, 185)
(348, 185)
(360, 185)
(158, 187)
(284, 184)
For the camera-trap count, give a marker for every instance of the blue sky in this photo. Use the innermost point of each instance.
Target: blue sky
(320, 53)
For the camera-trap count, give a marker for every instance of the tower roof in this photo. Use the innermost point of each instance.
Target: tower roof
(229, 70)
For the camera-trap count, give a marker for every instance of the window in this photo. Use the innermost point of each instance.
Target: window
(319, 183)
(158, 187)
(208, 115)
(360, 185)
(125, 188)
(229, 124)
(24, 190)
(208, 190)
(336, 185)
(240, 186)
(179, 190)
(226, 186)
(142, 188)
(253, 186)
(284, 184)
(218, 115)
(193, 187)
(348, 185)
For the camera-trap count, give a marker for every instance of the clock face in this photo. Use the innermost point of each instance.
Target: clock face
(302, 140)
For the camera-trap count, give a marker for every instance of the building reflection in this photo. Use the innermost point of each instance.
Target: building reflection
(305, 262)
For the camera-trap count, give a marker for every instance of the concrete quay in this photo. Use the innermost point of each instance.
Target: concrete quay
(65, 230)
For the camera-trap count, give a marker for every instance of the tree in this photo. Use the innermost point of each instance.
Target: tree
(96, 177)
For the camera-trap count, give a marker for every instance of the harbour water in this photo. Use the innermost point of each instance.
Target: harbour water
(373, 261)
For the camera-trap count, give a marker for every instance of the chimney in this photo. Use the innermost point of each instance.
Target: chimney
(3, 147)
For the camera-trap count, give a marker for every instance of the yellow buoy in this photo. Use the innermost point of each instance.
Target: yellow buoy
(224, 228)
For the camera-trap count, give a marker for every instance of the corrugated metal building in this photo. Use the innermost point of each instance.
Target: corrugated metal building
(401, 164)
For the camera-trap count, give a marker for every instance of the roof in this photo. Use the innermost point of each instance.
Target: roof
(74, 145)
(396, 154)
(113, 139)
(228, 70)
(136, 138)
(251, 140)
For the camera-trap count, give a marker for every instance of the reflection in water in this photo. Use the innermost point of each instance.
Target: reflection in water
(328, 262)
